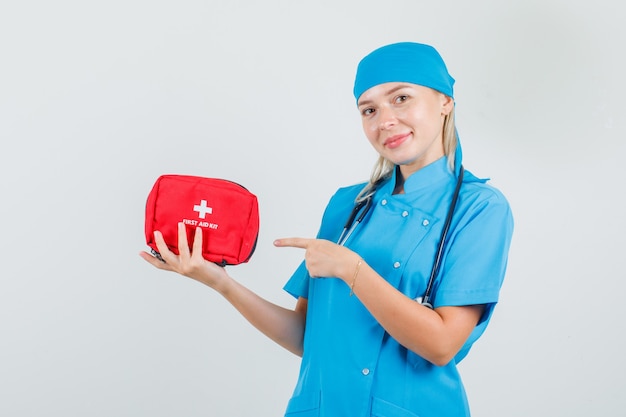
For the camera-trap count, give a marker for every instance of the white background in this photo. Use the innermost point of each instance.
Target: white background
(97, 99)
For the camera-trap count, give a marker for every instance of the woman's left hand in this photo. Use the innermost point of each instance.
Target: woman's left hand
(323, 258)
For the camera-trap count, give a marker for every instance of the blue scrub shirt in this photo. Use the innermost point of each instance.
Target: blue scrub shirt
(350, 366)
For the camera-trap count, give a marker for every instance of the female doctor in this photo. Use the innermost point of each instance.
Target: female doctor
(371, 345)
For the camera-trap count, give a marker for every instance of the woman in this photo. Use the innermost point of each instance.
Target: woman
(370, 344)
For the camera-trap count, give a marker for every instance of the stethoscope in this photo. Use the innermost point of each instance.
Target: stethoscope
(364, 206)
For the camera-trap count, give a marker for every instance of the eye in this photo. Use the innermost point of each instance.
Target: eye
(402, 98)
(367, 111)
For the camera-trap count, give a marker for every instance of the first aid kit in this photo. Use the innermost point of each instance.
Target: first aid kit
(226, 212)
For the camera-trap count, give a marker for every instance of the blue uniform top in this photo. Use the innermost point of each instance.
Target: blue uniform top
(350, 366)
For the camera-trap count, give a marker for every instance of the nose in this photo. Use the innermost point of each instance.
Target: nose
(386, 118)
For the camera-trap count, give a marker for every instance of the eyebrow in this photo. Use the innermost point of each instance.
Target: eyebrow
(386, 93)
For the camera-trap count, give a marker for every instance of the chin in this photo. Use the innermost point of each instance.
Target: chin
(411, 161)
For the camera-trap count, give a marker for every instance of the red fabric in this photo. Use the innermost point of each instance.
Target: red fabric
(227, 213)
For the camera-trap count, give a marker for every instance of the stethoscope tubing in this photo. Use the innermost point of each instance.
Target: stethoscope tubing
(425, 299)
(351, 224)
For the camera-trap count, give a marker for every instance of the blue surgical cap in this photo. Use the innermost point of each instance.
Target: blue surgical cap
(409, 62)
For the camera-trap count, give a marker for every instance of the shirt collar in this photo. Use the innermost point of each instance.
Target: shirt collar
(434, 174)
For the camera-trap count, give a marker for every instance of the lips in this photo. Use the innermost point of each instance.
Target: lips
(396, 140)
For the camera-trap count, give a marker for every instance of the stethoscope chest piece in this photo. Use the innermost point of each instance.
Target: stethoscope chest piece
(421, 301)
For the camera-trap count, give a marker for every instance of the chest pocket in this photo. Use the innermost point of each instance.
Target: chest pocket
(391, 235)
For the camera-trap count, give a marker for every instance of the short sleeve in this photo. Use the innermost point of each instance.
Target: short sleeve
(475, 264)
(298, 284)
(476, 256)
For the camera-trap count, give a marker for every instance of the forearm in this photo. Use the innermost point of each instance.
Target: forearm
(282, 325)
(436, 335)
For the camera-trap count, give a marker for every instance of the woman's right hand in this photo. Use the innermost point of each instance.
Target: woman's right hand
(188, 263)
(282, 325)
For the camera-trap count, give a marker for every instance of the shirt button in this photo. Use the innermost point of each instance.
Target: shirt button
(425, 222)
(384, 202)
(396, 264)
(405, 213)
(365, 371)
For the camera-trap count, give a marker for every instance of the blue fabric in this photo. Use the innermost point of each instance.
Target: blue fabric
(409, 62)
(350, 365)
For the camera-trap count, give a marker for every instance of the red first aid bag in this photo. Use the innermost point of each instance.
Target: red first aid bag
(227, 213)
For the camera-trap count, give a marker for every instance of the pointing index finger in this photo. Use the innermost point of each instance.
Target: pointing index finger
(293, 242)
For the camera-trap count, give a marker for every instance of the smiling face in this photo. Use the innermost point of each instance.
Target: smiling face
(404, 123)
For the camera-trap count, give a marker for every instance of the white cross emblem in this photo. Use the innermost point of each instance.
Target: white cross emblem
(202, 209)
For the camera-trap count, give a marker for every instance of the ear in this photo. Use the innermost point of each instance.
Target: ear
(447, 104)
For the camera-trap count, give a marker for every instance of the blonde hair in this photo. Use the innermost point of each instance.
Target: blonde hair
(384, 167)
